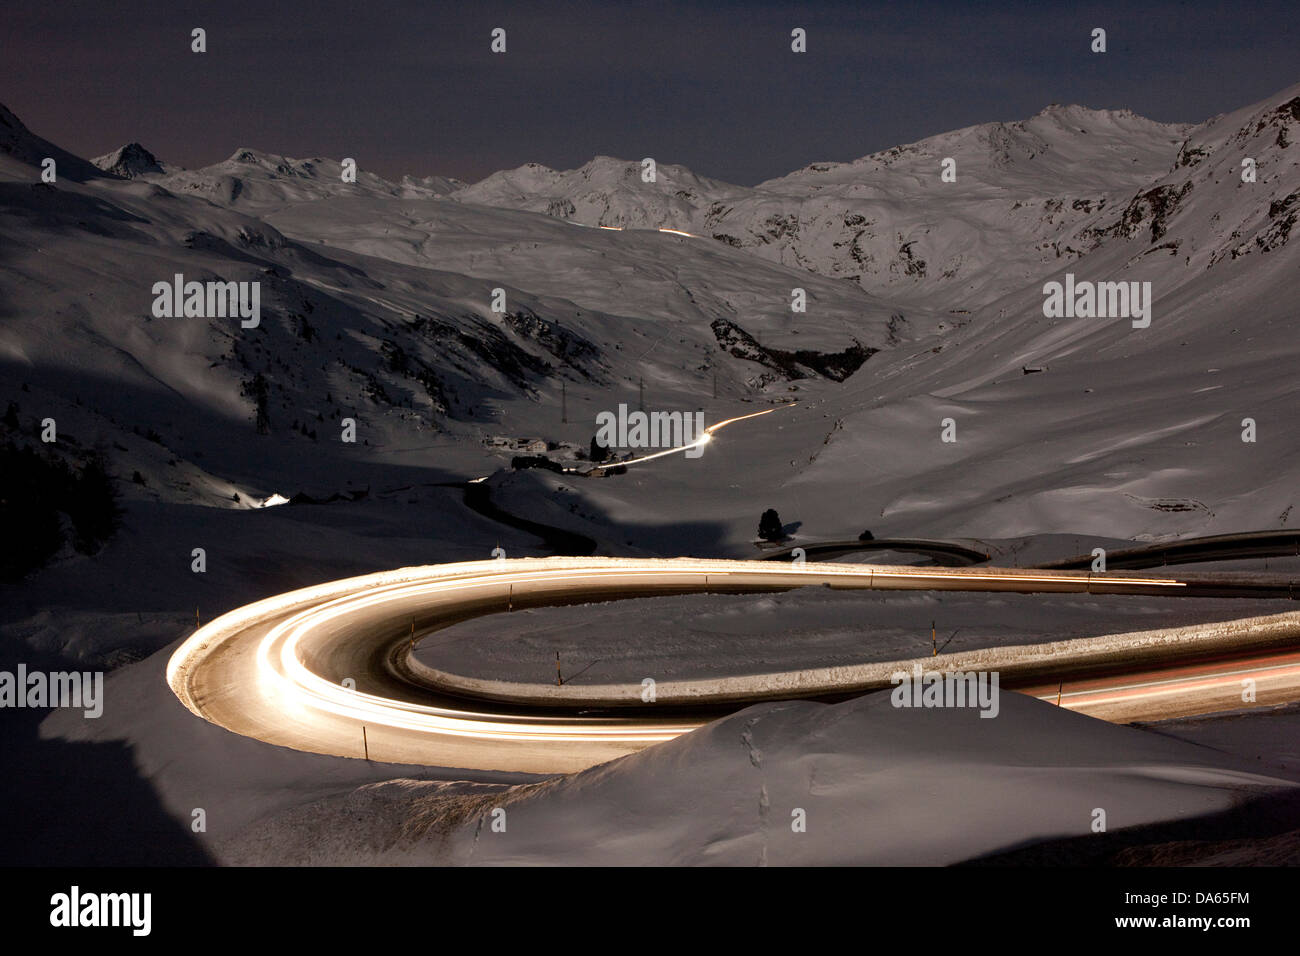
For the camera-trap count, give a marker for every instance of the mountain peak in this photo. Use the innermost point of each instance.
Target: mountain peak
(1078, 110)
(246, 155)
(129, 161)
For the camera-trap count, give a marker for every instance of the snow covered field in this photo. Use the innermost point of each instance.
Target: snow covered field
(702, 636)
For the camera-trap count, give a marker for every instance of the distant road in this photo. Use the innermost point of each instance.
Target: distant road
(1219, 547)
(323, 669)
(478, 498)
(946, 553)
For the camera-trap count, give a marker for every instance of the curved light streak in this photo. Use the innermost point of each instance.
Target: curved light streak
(285, 633)
(699, 442)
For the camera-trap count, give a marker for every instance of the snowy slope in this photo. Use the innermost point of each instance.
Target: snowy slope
(799, 783)
(682, 283)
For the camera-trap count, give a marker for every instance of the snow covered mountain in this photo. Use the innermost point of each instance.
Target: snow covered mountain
(605, 192)
(254, 180)
(1019, 197)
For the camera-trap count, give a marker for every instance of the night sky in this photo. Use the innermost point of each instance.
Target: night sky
(411, 87)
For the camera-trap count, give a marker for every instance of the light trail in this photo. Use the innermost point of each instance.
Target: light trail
(293, 679)
(699, 442)
(276, 669)
(740, 418)
(1216, 685)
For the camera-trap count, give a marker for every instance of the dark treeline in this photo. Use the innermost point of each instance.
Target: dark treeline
(37, 493)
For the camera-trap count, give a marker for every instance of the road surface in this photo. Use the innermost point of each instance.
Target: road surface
(1216, 547)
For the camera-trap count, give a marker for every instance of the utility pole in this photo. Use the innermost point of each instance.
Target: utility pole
(559, 681)
(1059, 687)
(365, 742)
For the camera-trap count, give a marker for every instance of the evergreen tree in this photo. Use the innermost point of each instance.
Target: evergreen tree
(769, 526)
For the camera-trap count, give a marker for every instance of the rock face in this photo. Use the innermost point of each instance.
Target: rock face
(129, 162)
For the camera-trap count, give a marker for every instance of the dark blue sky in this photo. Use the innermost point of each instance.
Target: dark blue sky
(411, 87)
